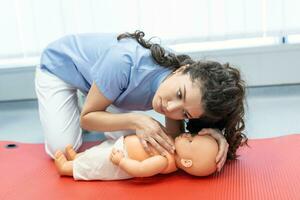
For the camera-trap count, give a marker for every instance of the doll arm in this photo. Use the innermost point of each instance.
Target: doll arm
(148, 167)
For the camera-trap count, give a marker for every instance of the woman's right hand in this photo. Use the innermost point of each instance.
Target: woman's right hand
(151, 131)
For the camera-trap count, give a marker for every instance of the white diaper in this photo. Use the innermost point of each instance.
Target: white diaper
(95, 164)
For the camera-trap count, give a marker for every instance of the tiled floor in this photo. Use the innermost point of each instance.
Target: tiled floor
(271, 111)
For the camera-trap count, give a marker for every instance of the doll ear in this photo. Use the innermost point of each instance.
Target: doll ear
(186, 162)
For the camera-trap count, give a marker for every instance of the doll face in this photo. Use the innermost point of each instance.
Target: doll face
(196, 154)
(183, 145)
(178, 97)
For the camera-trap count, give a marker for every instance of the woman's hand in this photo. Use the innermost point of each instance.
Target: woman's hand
(223, 145)
(151, 131)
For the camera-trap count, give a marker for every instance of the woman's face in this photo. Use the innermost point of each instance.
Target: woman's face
(178, 97)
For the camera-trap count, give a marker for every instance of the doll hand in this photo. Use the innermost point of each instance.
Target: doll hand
(116, 156)
(223, 145)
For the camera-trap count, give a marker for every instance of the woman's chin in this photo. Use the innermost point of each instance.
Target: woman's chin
(156, 110)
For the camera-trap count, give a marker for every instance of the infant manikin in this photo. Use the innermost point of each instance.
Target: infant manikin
(126, 158)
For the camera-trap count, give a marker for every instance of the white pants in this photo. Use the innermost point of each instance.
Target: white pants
(60, 113)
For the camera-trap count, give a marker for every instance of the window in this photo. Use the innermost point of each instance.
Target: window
(27, 26)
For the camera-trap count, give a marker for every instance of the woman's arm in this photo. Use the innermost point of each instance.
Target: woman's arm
(95, 118)
(148, 167)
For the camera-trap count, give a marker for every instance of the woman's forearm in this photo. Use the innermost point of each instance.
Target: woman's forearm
(105, 121)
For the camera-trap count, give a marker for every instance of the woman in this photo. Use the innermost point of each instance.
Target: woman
(127, 73)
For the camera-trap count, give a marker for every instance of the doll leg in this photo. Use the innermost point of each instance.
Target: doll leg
(64, 166)
(71, 153)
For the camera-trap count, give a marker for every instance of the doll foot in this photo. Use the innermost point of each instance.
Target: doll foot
(60, 159)
(70, 152)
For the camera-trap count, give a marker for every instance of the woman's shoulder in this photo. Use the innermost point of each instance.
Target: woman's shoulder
(83, 41)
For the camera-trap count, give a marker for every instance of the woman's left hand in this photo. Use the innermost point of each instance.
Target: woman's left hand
(223, 145)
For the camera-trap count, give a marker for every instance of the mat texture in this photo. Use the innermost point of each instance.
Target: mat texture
(269, 169)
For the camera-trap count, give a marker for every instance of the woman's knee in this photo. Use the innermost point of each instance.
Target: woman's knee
(57, 142)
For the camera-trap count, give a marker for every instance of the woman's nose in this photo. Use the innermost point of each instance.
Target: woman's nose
(173, 106)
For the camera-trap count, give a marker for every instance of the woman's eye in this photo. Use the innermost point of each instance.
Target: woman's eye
(179, 95)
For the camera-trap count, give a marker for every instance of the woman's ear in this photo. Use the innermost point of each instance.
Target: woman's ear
(186, 162)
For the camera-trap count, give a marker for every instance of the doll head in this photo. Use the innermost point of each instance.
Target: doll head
(196, 155)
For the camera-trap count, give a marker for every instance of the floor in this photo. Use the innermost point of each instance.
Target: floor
(270, 112)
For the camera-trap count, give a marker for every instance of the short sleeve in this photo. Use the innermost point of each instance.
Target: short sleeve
(111, 72)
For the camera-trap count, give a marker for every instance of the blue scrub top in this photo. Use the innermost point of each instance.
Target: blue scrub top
(123, 71)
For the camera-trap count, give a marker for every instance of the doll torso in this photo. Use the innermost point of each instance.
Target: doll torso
(136, 151)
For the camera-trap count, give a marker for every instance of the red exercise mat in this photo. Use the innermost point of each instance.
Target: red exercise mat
(269, 169)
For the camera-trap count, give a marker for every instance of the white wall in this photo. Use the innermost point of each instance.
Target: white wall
(17, 83)
(260, 66)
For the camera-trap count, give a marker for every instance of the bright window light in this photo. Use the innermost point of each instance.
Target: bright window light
(18, 62)
(294, 38)
(226, 44)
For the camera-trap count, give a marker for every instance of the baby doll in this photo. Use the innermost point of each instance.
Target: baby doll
(125, 158)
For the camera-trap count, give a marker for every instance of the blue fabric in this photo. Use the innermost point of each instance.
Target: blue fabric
(123, 71)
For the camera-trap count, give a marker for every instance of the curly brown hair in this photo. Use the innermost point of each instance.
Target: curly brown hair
(223, 92)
